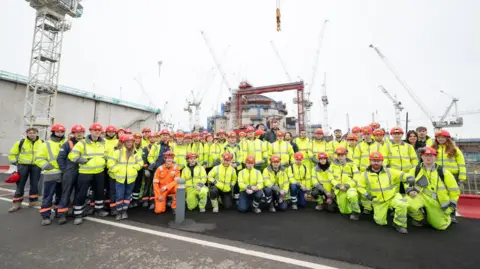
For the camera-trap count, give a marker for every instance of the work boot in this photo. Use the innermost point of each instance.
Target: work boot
(215, 210)
(46, 221)
(89, 211)
(101, 213)
(152, 206)
(145, 204)
(134, 203)
(113, 212)
(174, 211)
(272, 208)
(294, 206)
(34, 204)
(354, 216)
(118, 216)
(454, 218)
(367, 212)
(202, 210)
(15, 207)
(401, 230)
(417, 223)
(257, 210)
(62, 220)
(78, 221)
(319, 207)
(124, 214)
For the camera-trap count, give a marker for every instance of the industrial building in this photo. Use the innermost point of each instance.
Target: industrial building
(73, 106)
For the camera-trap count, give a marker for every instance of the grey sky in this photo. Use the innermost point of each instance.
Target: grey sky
(432, 44)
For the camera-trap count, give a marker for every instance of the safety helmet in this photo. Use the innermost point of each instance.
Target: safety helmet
(356, 129)
(374, 125)
(188, 136)
(179, 134)
(259, 132)
(192, 155)
(242, 134)
(250, 159)
(220, 132)
(275, 159)
(164, 131)
(232, 135)
(120, 130)
(227, 156)
(168, 154)
(318, 131)
(195, 134)
(322, 155)
(378, 132)
(428, 150)
(250, 129)
(280, 134)
(298, 156)
(128, 131)
(376, 156)
(58, 128)
(96, 127)
(137, 135)
(352, 137)
(208, 135)
(146, 129)
(110, 128)
(396, 130)
(367, 130)
(78, 128)
(443, 133)
(126, 138)
(13, 178)
(152, 134)
(341, 151)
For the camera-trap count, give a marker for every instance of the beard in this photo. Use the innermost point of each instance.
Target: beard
(376, 166)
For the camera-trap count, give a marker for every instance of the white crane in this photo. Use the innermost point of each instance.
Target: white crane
(457, 120)
(396, 104)
(42, 85)
(469, 112)
(436, 124)
(281, 61)
(190, 114)
(325, 125)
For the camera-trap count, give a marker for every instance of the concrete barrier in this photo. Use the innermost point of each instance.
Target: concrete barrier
(180, 211)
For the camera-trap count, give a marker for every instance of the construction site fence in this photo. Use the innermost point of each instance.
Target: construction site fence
(472, 185)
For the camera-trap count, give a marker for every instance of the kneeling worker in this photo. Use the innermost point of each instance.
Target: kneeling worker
(250, 182)
(321, 185)
(378, 184)
(300, 181)
(165, 183)
(195, 180)
(223, 178)
(435, 189)
(276, 184)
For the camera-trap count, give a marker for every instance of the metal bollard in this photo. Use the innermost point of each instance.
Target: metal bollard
(180, 211)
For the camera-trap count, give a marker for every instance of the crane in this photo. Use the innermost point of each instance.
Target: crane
(42, 85)
(278, 17)
(457, 121)
(396, 104)
(281, 61)
(469, 112)
(190, 114)
(325, 125)
(436, 124)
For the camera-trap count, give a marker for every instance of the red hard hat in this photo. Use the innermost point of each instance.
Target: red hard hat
(259, 132)
(341, 151)
(298, 156)
(221, 131)
(227, 156)
(14, 177)
(151, 134)
(374, 125)
(179, 134)
(126, 138)
(168, 154)
(208, 135)
(280, 134)
(275, 159)
(442, 133)
(120, 130)
(110, 128)
(137, 135)
(356, 129)
(78, 128)
(250, 159)
(250, 129)
(128, 131)
(378, 132)
(195, 134)
(396, 130)
(352, 137)
(376, 156)
(188, 136)
(318, 131)
(242, 134)
(192, 155)
(232, 135)
(146, 129)
(367, 130)
(58, 128)
(96, 127)
(428, 150)
(164, 131)
(322, 155)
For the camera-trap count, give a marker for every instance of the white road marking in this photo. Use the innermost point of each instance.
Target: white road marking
(191, 240)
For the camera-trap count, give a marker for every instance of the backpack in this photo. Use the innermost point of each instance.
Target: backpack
(441, 175)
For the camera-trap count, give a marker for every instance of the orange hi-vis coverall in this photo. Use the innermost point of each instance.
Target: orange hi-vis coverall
(165, 177)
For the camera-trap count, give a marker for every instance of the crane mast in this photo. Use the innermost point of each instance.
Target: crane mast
(396, 104)
(325, 125)
(281, 61)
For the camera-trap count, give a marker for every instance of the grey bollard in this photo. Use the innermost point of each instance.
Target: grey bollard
(180, 211)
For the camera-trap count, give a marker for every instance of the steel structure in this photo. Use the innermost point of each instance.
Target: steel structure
(396, 104)
(190, 114)
(281, 61)
(245, 89)
(325, 125)
(42, 85)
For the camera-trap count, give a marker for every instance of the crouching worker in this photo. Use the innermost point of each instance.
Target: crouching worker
(321, 185)
(223, 178)
(250, 182)
(435, 189)
(300, 181)
(276, 184)
(165, 183)
(195, 180)
(124, 166)
(342, 174)
(378, 184)
(52, 175)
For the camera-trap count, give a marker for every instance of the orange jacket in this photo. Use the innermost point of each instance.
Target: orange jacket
(165, 176)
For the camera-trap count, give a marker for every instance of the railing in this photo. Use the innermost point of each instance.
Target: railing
(472, 185)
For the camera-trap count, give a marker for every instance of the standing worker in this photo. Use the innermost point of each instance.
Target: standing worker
(195, 183)
(165, 183)
(148, 180)
(23, 154)
(283, 149)
(402, 156)
(223, 179)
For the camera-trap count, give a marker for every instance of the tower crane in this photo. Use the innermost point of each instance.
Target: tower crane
(190, 114)
(469, 112)
(281, 61)
(278, 17)
(396, 104)
(325, 125)
(42, 85)
(457, 122)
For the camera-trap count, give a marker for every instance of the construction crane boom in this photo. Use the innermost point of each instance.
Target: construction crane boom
(317, 59)
(325, 126)
(281, 61)
(217, 63)
(396, 104)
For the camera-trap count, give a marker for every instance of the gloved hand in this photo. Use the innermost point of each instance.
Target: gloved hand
(329, 201)
(82, 160)
(217, 162)
(449, 210)
(147, 173)
(410, 181)
(48, 167)
(413, 194)
(369, 196)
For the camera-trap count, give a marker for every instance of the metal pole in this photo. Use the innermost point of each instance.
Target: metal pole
(180, 211)
(406, 123)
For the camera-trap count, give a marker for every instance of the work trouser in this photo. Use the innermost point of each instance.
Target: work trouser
(436, 217)
(123, 194)
(83, 183)
(69, 182)
(112, 192)
(347, 201)
(321, 196)
(137, 186)
(297, 195)
(25, 171)
(397, 203)
(52, 186)
(107, 190)
(148, 194)
(246, 199)
(161, 206)
(274, 196)
(196, 197)
(225, 196)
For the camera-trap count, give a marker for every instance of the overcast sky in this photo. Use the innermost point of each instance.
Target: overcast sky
(434, 45)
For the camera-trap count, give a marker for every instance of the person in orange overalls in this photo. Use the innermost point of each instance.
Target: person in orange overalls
(165, 183)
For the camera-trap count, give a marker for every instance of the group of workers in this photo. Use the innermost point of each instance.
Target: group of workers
(105, 171)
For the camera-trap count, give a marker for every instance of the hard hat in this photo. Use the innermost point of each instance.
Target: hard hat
(374, 125)
(168, 154)
(13, 178)
(188, 136)
(195, 134)
(318, 131)
(120, 130)
(280, 134)
(376, 156)
(298, 156)
(78, 128)
(428, 150)
(137, 135)
(396, 130)
(179, 134)
(275, 159)
(220, 132)
(227, 156)
(204, 133)
(208, 135)
(164, 131)
(192, 155)
(96, 127)
(352, 137)
(58, 128)
(232, 135)
(259, 132)
(110, 128)
(128, 131)
(242, 134)
(367, 130)
(341, 151)
(356, 129)
(146, 129)
(322, 155)
(152, 134)
(378, 132)
(250, 159)
(443, 133)
(250, 129)
(127, 138)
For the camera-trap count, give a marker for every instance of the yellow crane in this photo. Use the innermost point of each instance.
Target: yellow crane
(278, 16)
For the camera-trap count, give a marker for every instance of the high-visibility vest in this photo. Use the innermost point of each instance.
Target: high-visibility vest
(249, 178)
(48, 155)
(199, 176)
(123, 169)
(94, 151)
(454, 164)
(278, 178)
(24, 151)
(223, 177)
(382, 186)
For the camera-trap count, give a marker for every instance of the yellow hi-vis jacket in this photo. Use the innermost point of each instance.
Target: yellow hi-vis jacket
(47, 154)
(257, 148)
(248, 178)
(316, 147)
(237, 154)
(301, 174)
(334, 144)
(284, 150)
(93, 151)
(304, 146)
(199, 177)
(123, 169)
(180, 152)
(351, 151)
(445, 192)
(362, 155)
(145, 142)
(25, 155)
(341, 174)
(108, 156)
(402, 157)
(382, 186)
(455, 165)
(278, 178)
(110, 143)
(211, 153)
(197, 147)
(321, 179)
(223, 177)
